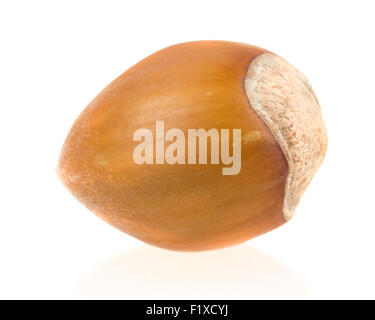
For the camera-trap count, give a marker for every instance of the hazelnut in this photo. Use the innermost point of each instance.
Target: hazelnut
(179, 196)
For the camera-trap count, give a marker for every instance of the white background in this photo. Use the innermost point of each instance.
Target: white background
(57, 55)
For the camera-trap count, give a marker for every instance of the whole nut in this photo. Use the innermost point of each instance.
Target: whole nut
(177, 204)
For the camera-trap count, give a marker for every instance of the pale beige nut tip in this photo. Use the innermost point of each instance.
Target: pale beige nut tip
(283, 98)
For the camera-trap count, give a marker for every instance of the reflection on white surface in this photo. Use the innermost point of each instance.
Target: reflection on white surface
(239, 272)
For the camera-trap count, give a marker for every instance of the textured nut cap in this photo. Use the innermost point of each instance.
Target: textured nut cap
(284, 99)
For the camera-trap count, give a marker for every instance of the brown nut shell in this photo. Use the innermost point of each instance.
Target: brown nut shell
(182, 207)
